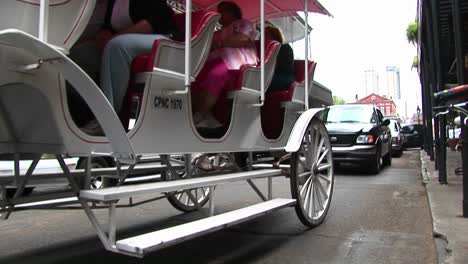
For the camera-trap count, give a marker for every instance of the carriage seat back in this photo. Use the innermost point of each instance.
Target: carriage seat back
(67, 19)
(247, 79)
(170, 55)
(249, 75)
(296, 90)
(272, 113)
(201, 22)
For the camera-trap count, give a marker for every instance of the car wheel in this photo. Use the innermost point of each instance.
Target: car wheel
(10, 192)
(399, 153)
(387, 159)
(98, 182)
(374, 162)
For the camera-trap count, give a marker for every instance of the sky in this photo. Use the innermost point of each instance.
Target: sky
(364, 35)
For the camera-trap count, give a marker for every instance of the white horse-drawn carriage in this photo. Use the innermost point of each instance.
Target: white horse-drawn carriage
(35, 38)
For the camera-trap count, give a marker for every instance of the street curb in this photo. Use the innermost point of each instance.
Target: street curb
(443, 257)
(424, 173)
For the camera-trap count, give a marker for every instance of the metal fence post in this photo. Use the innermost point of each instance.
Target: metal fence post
(464, 138)
(443, 150)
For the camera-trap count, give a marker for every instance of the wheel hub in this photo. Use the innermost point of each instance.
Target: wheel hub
(315, 169)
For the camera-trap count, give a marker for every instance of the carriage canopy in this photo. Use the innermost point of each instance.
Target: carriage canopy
(273, 8)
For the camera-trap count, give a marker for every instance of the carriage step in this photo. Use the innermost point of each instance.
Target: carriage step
(48, 173)
(142, 244)
(269, 166)
(115, 193)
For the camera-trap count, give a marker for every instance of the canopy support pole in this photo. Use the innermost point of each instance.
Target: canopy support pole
(262, 51)
(43, 20)
(188, 40)
(306, 68)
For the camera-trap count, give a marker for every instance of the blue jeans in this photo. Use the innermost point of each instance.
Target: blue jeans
(116, 62)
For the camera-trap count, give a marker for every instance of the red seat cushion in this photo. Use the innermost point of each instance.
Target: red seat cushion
(271, 113)
(140, 64)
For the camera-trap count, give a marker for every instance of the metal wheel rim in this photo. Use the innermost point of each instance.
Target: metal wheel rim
(200, 194)
(97, 183)
(315, 172)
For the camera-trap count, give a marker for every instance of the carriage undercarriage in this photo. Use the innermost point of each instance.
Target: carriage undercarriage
(187, 189)
(162, 148)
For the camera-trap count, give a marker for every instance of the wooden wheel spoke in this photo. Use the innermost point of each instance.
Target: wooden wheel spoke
(321, 176)
(319, 149)
(316, 137)
(324, 167)
(323, 156)
(312, 201)
(305, 186)
(305, 174)
(306, 200)
(322, 190)
(319, 197)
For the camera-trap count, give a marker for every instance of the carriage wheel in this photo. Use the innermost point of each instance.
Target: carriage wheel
(181, 199)
(312, 175)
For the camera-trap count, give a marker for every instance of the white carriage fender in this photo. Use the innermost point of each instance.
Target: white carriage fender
(297, 133)
(83, 84)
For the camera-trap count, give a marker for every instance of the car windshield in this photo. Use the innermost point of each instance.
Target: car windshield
(349, 115)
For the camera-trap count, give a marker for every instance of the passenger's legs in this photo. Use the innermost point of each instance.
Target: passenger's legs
(209, 85)
(88, 57)
(116, 60)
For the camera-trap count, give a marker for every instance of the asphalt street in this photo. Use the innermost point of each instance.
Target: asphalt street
(382, 218)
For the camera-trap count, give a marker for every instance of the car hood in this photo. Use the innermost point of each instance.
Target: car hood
(338, 128)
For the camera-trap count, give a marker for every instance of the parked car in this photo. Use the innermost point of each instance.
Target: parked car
(414, 135)
(398, 139)
(359, 134)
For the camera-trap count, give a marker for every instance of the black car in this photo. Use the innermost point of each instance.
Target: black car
(359, 134)
(414, 136)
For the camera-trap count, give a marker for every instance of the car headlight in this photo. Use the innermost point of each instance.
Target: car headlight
(365, 139)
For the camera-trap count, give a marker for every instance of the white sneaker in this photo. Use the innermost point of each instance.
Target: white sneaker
(208, 121)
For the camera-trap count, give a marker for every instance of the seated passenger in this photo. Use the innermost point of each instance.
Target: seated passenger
(232, 47)
(284, 72)
(131, 28)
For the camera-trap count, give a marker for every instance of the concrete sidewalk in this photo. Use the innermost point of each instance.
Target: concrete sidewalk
(446, 208)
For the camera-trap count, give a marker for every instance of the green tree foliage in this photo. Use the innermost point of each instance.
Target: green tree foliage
(412, 36)
(412, 33)
(338, 100)
(415, 62)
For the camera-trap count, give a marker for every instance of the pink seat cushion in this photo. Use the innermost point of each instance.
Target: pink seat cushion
(220, 110)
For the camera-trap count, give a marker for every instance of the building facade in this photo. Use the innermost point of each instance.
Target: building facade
(386, 106)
